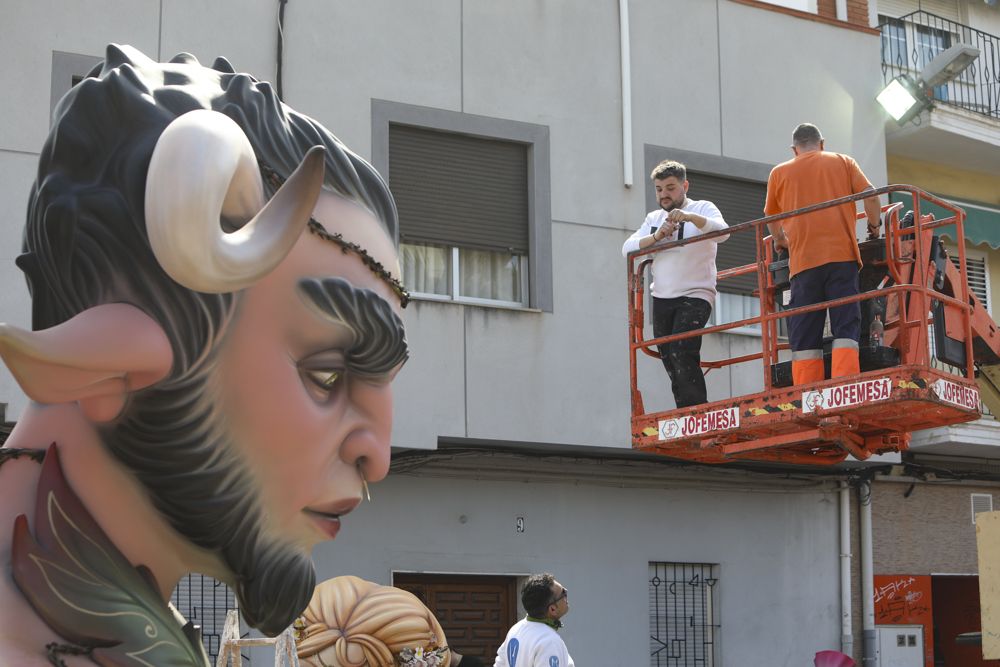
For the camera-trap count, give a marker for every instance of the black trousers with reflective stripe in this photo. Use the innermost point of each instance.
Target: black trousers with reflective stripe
(823, 283)
(682, 358)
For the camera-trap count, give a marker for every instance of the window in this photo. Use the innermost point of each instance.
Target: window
(463, 210)
(68, 69)
(682, 621)
(739, 201)
(474, 204)
(893, 41)
(977, 272)
(930, 42)
(801, 5)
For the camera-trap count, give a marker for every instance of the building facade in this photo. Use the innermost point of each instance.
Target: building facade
(518, 138)
(924, 511)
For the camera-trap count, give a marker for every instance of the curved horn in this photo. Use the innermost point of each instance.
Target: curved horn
(202, 168)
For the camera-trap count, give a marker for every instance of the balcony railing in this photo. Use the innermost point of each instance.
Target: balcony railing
(912, 41)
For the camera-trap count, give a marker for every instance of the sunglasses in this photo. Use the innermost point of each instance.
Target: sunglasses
(561, 596)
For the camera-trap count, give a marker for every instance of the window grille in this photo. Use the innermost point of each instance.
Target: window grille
(682, 617)
(205, 601)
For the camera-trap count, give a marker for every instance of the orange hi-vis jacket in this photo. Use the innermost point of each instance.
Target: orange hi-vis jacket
(823, 236)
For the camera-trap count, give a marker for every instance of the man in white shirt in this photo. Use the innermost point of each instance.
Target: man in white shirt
(533, 641)
(683, 284)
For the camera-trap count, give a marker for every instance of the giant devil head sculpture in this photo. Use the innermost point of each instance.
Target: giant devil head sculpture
(215, 297)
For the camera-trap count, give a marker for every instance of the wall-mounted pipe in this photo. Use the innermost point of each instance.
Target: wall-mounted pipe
(626, 94)
(846, 618)
(868, 658)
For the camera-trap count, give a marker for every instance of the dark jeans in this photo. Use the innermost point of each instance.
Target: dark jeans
(823, 283)
(682, 358)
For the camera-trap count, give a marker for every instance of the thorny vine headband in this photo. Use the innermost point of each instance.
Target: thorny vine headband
(276, 181)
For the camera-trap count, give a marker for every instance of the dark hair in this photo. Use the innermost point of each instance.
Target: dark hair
(85, 244)
(669, 168)
(536, 594)
(806, 134)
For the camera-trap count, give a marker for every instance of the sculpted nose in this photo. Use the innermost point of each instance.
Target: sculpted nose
(367, 444)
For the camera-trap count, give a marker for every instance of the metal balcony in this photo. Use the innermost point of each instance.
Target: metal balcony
(911, 41)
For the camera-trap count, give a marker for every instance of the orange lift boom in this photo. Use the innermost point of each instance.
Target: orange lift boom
(909, 280)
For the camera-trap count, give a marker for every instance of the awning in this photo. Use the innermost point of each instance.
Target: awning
(982, 223)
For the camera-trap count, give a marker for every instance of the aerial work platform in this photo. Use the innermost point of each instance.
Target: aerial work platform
(920, 373)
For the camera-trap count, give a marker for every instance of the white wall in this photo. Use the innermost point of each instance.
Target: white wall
(776, 549)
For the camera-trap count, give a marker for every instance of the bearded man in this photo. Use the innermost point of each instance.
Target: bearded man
(684, 277)
(216, 324)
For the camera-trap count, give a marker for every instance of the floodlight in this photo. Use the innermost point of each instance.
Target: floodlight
(903, 99)
(948, 64)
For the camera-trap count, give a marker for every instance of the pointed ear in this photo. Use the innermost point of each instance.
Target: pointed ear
(96, 358)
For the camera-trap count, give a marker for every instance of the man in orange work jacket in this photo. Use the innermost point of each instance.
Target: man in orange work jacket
(823, 255)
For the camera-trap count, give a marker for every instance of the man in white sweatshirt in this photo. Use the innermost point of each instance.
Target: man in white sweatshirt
(683, 284)
(533, 641)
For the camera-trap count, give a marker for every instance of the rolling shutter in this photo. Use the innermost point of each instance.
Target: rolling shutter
(947, 9)
(739, 201)
(459, 190)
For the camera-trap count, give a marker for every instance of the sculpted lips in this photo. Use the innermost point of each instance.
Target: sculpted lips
(327, 517)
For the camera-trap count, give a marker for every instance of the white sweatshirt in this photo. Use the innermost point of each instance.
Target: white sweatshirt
(687, 270)
(532, 644)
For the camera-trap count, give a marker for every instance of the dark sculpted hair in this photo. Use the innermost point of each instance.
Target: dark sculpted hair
(806, 134)
(85, 244)
(536, 594)
(669, 168)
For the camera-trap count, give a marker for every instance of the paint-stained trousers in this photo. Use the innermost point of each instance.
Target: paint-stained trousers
(682, 358)
(805, 332)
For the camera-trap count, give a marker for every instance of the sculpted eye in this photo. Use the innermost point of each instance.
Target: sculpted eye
(323, 373)
(321, 383)
(324, 379)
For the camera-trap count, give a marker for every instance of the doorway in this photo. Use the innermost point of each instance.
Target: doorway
(475, 611)
(956, 611)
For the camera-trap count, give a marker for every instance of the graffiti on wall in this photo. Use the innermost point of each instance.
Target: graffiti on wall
(904, 599)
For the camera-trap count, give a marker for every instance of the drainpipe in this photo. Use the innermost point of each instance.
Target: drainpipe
(626, 94)
(867, 576)
(846, 621)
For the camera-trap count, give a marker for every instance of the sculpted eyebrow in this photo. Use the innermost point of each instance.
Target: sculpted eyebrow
(379, 338)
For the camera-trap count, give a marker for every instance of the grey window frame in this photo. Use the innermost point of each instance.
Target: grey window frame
(66, 66)
(534, 136)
